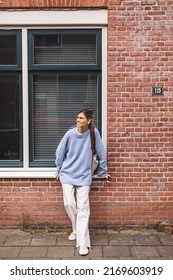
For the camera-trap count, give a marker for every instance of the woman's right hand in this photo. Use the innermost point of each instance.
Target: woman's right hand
(56, 178)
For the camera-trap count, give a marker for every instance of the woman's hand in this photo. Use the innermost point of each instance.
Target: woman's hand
(56, 178)
(108, 176)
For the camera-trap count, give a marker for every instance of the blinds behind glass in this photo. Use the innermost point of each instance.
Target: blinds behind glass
(65, 49)
(57, 98)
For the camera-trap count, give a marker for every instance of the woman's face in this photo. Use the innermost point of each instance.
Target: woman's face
(82, 121)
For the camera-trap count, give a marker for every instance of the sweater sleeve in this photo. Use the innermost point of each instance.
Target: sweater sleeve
(102, 171)
(61, 152)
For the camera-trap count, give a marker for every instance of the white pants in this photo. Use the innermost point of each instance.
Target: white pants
(78, 209)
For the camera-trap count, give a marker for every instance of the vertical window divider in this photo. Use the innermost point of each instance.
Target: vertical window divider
(104, 87)
(25, 99)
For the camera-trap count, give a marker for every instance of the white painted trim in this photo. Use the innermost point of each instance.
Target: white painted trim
(55, 17)
(25, 98)
(28, 174)
(104, 87)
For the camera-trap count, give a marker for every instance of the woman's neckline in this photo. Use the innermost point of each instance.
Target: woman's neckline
(79, 133)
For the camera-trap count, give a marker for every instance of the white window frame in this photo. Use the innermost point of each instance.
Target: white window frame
(25, 20)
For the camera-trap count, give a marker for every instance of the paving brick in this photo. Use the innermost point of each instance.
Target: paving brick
(44, 239)
(121, 239)
(141, 239)
(2, 239)
(144, 252)
(61, 252)
(165, 251)
(18, 240)
(33, 252)
(168, 230)
(99, 239)
(116, 251)
(9, 252)
(62, 239)
(166, 239)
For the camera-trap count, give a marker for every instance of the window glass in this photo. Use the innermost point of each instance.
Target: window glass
(64, 71)
(65, 49)
(9, 116)
(57, 98)
(8, 49)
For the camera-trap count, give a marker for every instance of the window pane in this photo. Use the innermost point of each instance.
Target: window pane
(8, 53)
(65, 49)
(57, 98)
(9, 116)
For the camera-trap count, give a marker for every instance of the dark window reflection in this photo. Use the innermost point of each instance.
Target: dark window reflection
(9, 116)
(8, 50)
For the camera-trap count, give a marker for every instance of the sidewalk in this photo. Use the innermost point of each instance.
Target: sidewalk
(127, 244)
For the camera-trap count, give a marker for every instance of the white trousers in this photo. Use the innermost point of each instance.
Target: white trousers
(76, 203)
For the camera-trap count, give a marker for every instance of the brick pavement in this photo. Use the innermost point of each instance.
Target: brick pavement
(127, 244)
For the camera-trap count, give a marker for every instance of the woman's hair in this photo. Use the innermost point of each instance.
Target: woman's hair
(89, 114)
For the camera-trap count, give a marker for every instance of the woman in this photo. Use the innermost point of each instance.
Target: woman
(73, 161)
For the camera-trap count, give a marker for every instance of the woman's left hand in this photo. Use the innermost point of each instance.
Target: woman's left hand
(108, 176)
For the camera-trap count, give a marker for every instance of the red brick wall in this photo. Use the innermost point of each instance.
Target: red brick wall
(52, 3)
(140, 126)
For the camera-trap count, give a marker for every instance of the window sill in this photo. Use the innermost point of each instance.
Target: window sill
(38, 174)
(101, 178)
(28, 174)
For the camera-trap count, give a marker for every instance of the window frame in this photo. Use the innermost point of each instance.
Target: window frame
(62, 19)
(15, 69)
(69, 31)
(18, 65)
(59, 68)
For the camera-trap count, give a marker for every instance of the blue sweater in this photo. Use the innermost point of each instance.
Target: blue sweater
(74, 157)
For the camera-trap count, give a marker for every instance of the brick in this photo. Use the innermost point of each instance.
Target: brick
(53, 3)
(168, 229)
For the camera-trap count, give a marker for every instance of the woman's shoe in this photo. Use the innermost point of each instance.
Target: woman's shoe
(72, 236)
(83, 250)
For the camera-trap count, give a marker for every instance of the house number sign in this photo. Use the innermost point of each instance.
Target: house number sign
(157, 90)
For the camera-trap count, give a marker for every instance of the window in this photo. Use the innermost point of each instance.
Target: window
(10, 99)
(52, 64)
(64, 76)
(64, 71)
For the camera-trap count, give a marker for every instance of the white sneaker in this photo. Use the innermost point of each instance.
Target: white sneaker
(83, 250)
(72, 236)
